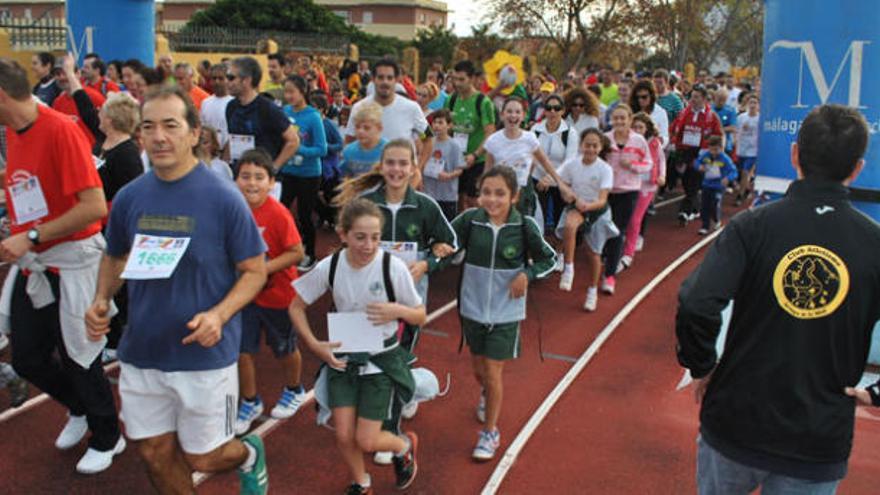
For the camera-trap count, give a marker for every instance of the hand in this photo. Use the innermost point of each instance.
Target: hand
(519, 285)
(700, 386)
(442, 250)
(382, 313)
(469, 160)
(863, 398)
(542, 186)
(324, 351)
(725, 182)
(418, 270)
(625, 163)
(581, 205)
(546, 182)
(12, 248)
(97, 319)
(68, 65)
(207, 329)
(661, 181)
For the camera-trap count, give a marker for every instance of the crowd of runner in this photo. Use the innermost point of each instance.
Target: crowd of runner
(195, 235)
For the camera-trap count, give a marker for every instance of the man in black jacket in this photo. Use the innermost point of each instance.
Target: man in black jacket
(778, 408)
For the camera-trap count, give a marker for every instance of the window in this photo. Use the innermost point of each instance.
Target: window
(344, 14)
(368, 17)
(27, 14)
(422, 18)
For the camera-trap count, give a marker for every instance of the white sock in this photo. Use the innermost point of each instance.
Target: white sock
(569, 267)
(405, 449)
(248, 463)
(366, 484)
(592, 290)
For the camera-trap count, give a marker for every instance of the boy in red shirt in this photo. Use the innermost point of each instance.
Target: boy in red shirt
(268, 311)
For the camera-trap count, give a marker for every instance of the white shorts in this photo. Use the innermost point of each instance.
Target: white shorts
(199, 405)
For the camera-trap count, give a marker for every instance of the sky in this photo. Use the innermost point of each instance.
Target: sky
(465, 13)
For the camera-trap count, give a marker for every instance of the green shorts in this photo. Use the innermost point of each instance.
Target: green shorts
(499, 342)
(371, 395)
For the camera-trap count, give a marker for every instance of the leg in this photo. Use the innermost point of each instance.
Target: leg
(247, 376)
(307, 199)
(291, 364)
(344, 420)
(707, 206)
(494, 391)
(230, 455)
(718, 475)
(717, 196)
(573, 221)
(776, 484)
(93, 390)
(370, 437)
(622, 205)
(636, 222)
(168, 470)
(594, 262)
(479, 367)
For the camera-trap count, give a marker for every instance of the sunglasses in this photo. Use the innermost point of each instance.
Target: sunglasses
(553, 108)
(579, 104)
(231, 77)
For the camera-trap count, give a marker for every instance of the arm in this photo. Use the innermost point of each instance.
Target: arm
(324, 350)
(87, 112)
(291, 144)
(285, 260)
(442, 232)
(703, 296)
(643, 163)
(109, 283)
(319, 148)
(207, 326)
(548, 167)
(490, 161)
(334, 139)
(585, 207)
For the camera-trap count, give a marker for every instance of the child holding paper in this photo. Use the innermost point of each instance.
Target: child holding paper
(360, 386)
(445, 165)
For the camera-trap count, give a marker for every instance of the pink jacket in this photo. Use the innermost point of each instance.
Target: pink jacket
(649, 182)
(636, 151)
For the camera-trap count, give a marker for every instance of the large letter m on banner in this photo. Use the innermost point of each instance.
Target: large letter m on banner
(808, 53)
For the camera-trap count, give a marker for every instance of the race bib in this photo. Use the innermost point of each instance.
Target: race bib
(691, 138)
(238, 144)
(28, 200)
(713, 170)
(461, 139)
(154, 257)
(408, 252)
(433, 168)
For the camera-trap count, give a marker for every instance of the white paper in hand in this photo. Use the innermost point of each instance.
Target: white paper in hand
(355, 332)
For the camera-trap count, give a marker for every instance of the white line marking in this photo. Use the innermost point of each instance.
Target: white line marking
(538, 416)
(441, 311)
(39, 399)
(669, 201)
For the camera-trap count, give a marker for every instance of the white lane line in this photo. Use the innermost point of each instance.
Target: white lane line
(538, 416)
(39, 399)
(669, 201)
(271, 424)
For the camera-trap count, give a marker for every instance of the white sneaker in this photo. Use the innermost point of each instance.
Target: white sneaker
(409, 410)
(288, 404)
(625, 262)
(717, 225)
(566, 279)
(481, 408)
(247, 413)
(640, 244)
(95, 461)
(382, 458)
(560, 262)
(73, 432)
(592, 299)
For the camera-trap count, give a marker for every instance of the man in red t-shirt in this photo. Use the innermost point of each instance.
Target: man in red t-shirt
(689, 132)
(183, 73)
(268, 312)
(55, 202)
(81, 103)
(94, 75)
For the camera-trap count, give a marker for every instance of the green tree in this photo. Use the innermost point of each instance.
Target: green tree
(435, 44)
(483, 43)
(282, 15)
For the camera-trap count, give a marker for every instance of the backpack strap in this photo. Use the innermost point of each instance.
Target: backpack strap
(386, 276)
(565, 138)
(334, 262)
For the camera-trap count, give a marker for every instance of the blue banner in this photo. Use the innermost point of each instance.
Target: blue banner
(118, 29)
(817, 52)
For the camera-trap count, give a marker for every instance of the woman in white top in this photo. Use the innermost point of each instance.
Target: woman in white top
(644, 99)
(581, 110)
(519, 149)
(560, 143)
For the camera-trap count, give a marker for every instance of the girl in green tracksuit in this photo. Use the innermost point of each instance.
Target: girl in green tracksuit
(499, 242)
(413, 224)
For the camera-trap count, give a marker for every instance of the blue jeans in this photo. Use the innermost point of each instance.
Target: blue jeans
(711, 206)
(718, 475)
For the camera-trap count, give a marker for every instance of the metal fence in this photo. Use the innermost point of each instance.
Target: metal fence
(220, 39)
(48, 34)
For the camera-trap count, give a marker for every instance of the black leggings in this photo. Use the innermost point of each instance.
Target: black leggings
(622, 206)
(305, 191)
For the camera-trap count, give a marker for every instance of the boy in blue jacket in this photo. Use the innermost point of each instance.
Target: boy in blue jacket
(718, 171)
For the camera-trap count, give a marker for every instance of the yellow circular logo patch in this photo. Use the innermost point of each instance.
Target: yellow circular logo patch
(810, 282)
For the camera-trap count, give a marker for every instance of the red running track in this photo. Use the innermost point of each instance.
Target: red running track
(619, 429)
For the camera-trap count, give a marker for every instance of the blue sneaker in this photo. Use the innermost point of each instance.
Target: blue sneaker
(487, 444)
(288, 403)
(254, 481)
(248, 411)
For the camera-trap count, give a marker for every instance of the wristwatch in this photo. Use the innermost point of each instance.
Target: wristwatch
(33, 235)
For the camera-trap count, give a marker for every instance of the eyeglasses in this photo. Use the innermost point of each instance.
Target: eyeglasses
(231, 77)
(553, 108)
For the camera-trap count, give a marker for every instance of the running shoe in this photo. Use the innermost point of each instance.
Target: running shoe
(481, 408)
(18, 391)
(356, 489)
(683, 218)
(307, 263)
(625, 262)
(405, 466)
(560, 262)
(248, 411)
(703, 230)
(409, 410)
(608, 285)
(717, 225)
(640, 244)
(592, 299)
(487, 444)
(382, 458)
(72, 433)
(288, 403)
(254, 481)
(566, 279)
(95, 461)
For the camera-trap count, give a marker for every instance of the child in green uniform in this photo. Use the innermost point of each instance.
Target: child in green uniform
(499, 241)
(361, 386)
(414, 223)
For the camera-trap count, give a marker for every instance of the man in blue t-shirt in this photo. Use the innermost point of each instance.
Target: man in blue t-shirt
(192, 255)
(255, 121)
(727, 114)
